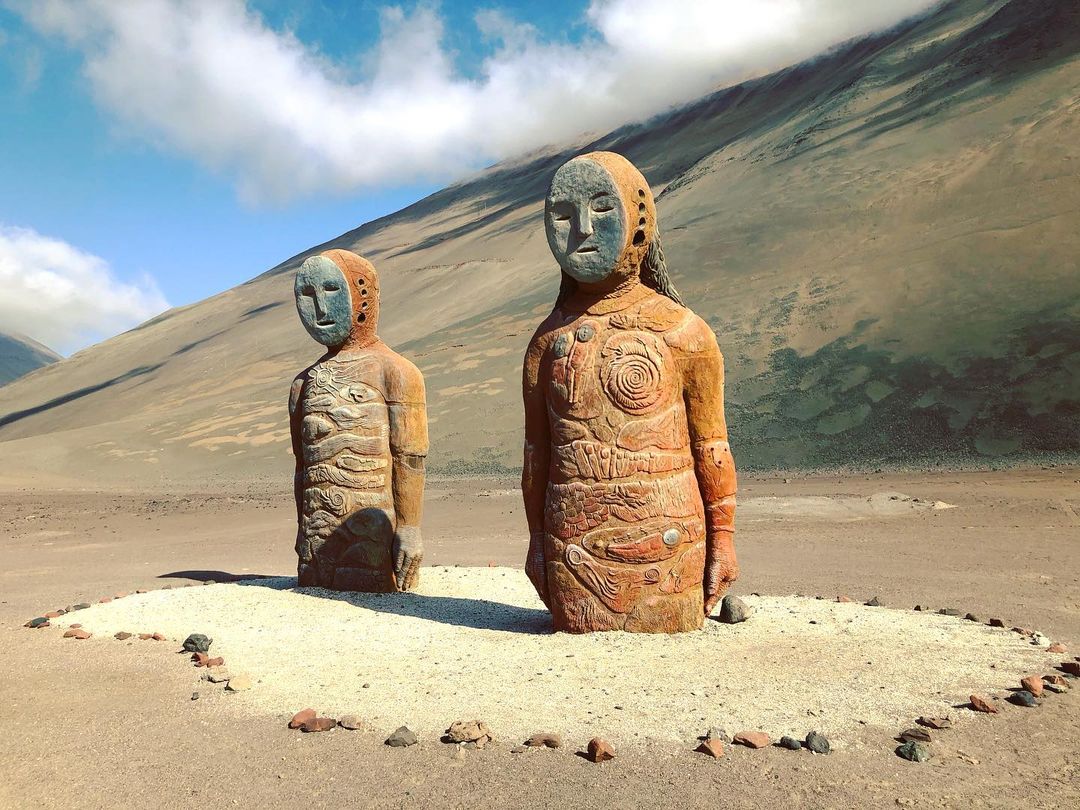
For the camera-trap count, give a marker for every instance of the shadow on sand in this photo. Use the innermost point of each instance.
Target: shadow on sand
(478, 614)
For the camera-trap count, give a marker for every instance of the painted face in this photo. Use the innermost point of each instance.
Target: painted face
(586, 220)
(324, 301)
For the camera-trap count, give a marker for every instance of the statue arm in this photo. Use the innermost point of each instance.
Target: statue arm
(305, 569)
(408, 447)
(534, 470)
(703, 393)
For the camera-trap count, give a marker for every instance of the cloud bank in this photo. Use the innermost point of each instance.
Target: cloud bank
(64, 297)
(210, 79)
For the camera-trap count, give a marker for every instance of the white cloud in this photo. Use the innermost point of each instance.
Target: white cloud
(64, 297)
(210, 79)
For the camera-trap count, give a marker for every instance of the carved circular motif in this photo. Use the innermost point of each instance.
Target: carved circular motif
(633, 376)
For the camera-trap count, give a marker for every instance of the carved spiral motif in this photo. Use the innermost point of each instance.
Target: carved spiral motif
(633, 378)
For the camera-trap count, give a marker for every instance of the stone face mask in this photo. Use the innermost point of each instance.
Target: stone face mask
(600, 217)
(337, 298)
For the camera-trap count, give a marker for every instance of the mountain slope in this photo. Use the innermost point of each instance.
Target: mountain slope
(884, 239)
(20, 355)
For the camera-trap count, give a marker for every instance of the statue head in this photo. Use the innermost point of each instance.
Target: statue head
(337, 298)
(601, 225)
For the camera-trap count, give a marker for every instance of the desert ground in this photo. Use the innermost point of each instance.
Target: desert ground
(106, 723)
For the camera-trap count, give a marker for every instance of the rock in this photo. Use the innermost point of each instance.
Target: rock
(122, 636)
(844, 599)
(145, 636)
(1023, 698)
(157, 637)
(74, 626)
(215, 662)
(38, 623)
(1071, 668)
(219, 675)
(875, 602)
(981, 704)
(238, 683)
(733, 610)
(1057, 689)
(465, 731)
(351, 722)
(996, 622)
(752, 739)
(913, 752)
(935, 722)
(971, 617)
(140, 590)
(914, 735)
(77, 632)
(718, 733)
(599, 750)
(402, 738)
(194, 695)
(1057, 647)
(200, 659)
(81, 606)
(316, 724)
(1021, 630)
(817, 742)
(712, 748)
(949, 612)
(302, 717)
(104, 600)
(544, 740)
(517, 749)
(54, 614)
(1033, 684)
(1053, 679)
(790, 743)
(197, 642)
(1039, 640)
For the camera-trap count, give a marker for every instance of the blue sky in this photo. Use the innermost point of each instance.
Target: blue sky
(155, 152)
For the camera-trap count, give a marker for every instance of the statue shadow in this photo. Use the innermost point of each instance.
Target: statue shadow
(477, 614)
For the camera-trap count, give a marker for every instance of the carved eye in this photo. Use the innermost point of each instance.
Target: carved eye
(308, 291)
(330, 286)
(561, 212)
(603, 204)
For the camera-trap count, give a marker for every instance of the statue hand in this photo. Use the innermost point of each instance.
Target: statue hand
(408, 551)
(721, 569)
(536, 566)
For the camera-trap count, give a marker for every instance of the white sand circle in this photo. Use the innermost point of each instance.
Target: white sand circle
(475, 643)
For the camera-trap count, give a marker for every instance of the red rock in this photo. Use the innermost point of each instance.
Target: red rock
(120, 595)
(104, 600)
(712, 748)
(844, 599)
(157, 637)
(1056, 647)
(302, 717)
(1033, 683)
(1071, 667)
(145, 636)
(215, 662)
(935, 722)
(319, 724)
(1055, 679)
(981, 704)
(996, 622)
(53, 614)
(140, 590)
(78, 633)
(752, 739)
(1022, 631)
(200, 659)
(74, 626)
(599, 750)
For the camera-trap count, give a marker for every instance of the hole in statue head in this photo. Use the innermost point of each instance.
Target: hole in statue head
(363, 305)
(641, 192)
(641, 207)
(641, 221)
(361, 317)
(639, 237)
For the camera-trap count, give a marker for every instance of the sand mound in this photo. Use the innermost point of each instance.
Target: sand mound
(475, 643)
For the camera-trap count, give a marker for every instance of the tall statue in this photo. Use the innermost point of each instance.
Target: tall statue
(628, 479)
(359, 435)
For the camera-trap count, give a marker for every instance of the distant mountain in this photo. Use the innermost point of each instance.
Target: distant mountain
(20, 355)
(885, 239)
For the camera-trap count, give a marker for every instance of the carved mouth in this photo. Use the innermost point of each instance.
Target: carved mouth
(589, 249)
(324, 323)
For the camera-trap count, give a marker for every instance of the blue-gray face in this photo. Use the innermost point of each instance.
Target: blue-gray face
(324, 301)
(586, 220)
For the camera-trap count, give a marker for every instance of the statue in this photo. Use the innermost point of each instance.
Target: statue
(628, 479)
(359, 435)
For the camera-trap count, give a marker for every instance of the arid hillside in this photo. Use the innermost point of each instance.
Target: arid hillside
(886, 241)
(20, 355)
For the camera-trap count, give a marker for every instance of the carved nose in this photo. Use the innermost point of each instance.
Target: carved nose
(320, 306)
(583, 222)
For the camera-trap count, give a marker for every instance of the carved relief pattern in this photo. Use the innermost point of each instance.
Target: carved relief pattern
(633, 375)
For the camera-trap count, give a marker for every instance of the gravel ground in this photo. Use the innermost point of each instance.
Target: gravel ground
(475, 643)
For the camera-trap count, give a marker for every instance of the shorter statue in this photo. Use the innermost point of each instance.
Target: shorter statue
(628, 478)
(359, 434)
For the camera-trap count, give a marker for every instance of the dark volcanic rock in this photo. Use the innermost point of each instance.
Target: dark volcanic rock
(197, 642)
(817, 742)
(913, 752)
(790, 743)
(1023, 698)
(733, 610)
(402, 738)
